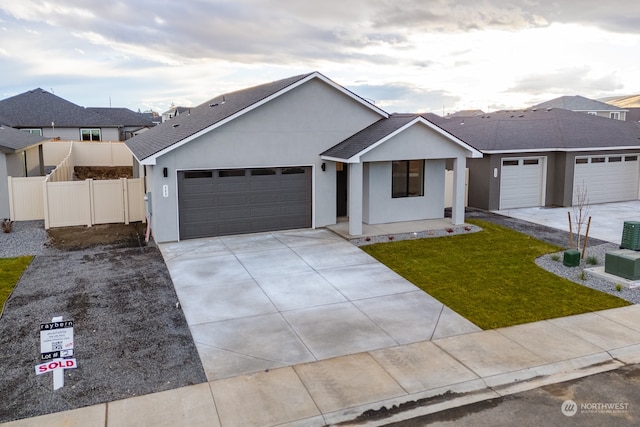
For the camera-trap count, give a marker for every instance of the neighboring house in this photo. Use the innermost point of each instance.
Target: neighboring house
(543, 157)
(295, 153)
(42, 113)
(631, 103)
(585, 105)
(20, 156)
(173, 112)
(132, 123)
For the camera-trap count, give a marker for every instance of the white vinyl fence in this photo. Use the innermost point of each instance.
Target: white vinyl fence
(67, 203)
(448, 189)
(62, 202)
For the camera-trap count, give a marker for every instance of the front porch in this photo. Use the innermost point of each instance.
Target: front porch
(404, 230)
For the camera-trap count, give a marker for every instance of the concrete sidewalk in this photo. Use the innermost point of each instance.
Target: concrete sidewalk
(423, 377)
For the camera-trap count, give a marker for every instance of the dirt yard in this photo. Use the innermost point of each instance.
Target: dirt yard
(83, 237)
(102, 172)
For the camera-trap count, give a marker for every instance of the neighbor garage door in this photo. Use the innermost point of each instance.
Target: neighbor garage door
(610, 178)
(235, 201)
(521, 182)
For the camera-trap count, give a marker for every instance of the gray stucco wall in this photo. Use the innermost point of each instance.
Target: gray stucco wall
(380, 207)
(291, 130)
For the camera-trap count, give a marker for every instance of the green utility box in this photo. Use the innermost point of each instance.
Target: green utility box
(571, 258)
(631, 235)
(623, 263)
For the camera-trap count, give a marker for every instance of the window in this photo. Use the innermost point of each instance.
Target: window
(292, 171)
(510, 162)
(531, 161)
(592, 113)
(265, 171)
(598, 159)
(614, 115)
(33, 131)
(630, 158)
(198, 174)
(407, 178)
(615, 159)
(582, 160)
(227, 173)
(90, 134)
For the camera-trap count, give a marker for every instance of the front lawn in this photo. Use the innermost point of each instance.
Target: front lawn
(10, 271)
(490, 277)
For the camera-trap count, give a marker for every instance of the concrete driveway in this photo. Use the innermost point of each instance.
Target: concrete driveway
(262, 301)
(607, 219)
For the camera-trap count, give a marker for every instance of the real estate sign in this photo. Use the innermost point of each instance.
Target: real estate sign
(56, 339)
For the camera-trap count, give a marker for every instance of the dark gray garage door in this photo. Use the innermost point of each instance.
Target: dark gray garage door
(235, 201)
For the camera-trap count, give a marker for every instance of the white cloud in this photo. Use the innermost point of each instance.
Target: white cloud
(460, 54)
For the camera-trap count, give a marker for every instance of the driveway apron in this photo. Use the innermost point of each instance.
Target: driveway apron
(262, 301)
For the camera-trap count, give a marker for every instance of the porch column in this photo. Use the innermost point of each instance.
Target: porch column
(355, 199)
(457, 210)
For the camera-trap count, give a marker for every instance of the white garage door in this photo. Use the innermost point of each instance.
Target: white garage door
(607, 178)
(521, 182)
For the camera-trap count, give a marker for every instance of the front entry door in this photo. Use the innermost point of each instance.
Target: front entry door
(341, 189)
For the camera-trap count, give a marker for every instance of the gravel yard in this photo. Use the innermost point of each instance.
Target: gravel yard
(129, 337)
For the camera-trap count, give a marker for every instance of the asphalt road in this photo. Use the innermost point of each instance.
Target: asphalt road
(607, 399)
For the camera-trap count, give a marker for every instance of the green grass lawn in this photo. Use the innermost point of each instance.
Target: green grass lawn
(10, 271)
(490, 277)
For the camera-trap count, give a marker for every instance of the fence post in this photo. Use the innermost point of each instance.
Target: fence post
(45, 203)
(12, 215)
(92, 215)
(125, 194)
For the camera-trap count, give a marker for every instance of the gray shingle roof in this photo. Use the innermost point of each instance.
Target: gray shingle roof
(368, 136)
(578, 103)
(12, 140)
(203, 116)
(38, 108)
(541, 130)
(123, 116)
(379, 130)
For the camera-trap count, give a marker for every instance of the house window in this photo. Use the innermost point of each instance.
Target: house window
(582, 160)
(90, 134)
(407, 178)
(33, 131)
(592, 113)
(614, 115)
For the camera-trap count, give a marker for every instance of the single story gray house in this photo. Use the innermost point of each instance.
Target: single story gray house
(295, 153)
(20, 156)
(545, 157)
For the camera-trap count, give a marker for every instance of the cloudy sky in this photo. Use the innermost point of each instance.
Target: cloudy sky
(407, 56)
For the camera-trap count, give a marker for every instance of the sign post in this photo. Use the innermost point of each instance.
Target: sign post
(56, 345)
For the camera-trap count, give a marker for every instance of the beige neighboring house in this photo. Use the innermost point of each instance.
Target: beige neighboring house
(585, 105)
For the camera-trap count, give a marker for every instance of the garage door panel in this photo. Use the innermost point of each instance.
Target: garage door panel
(521, 182)
(215, 203)
(606, 178)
